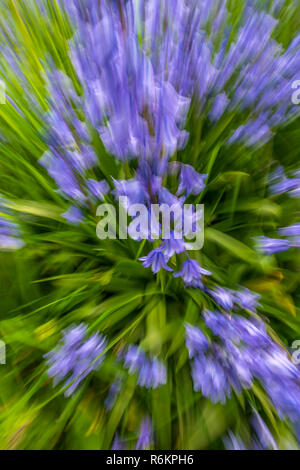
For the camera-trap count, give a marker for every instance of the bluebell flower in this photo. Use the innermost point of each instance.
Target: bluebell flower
(280, 184)
(292, 230)
(234, 442)
(265, 439)
(251, 332)
(280, 378)
(247, 299)
(191, 273)
(10, 234)
(221, 325)
(157, 260)
(235, 328)
(210, 377)
(73, 215)
(8, 242)
(150, 371)
(225, 298)
(286, 185)
(75, 357)
(190, 181)
(260, 439)
(254, 133)
(113, 393)
(229, 299)
(63, 175)
(97, 189)
(145, 436)
(219, 106)
(272, 245)
(82, 159)
(118, 443)
(173, 246)
(243, 351)
(293, 234)
(133, 189)
(136, 111)
(196, 341)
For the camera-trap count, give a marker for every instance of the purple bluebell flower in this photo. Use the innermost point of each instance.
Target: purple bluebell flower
(208, 371)
(166, 197)
(118, 443)
(280, 378)
(272, 245)
(157, 260)
(97, 189)
(136, 111)
(132, 189)
(210, 377)
(113, 393)
(242, 352)
(191, 273)
(287, 185)
(260, 439)
(144, 226)
(229, 299)
(264, 439)
(82, 159)
(219, 106)
(154, 376)
(280, 184)
(221, 325)
(75, 357)
(73, 215)
(254, 133)
(10, 243)
(190, 182)
(150, 371)
(292, 230)
(225, 298)
(63, 175)
(223, 369)
(251, 333)
(196, 341)
(236, 328)
(293, 234)
(145, 437)
(173, 246)
(10, 234)
(234, 442)
(247, 299)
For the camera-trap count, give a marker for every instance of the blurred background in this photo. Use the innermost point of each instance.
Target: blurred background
(187, 101)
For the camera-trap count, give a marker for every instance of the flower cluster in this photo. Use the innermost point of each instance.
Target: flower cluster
(127, 86)
(243, 353)
(75, 357)
(70, 155)
(229, 299)
(138, 67)
(150, 371)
